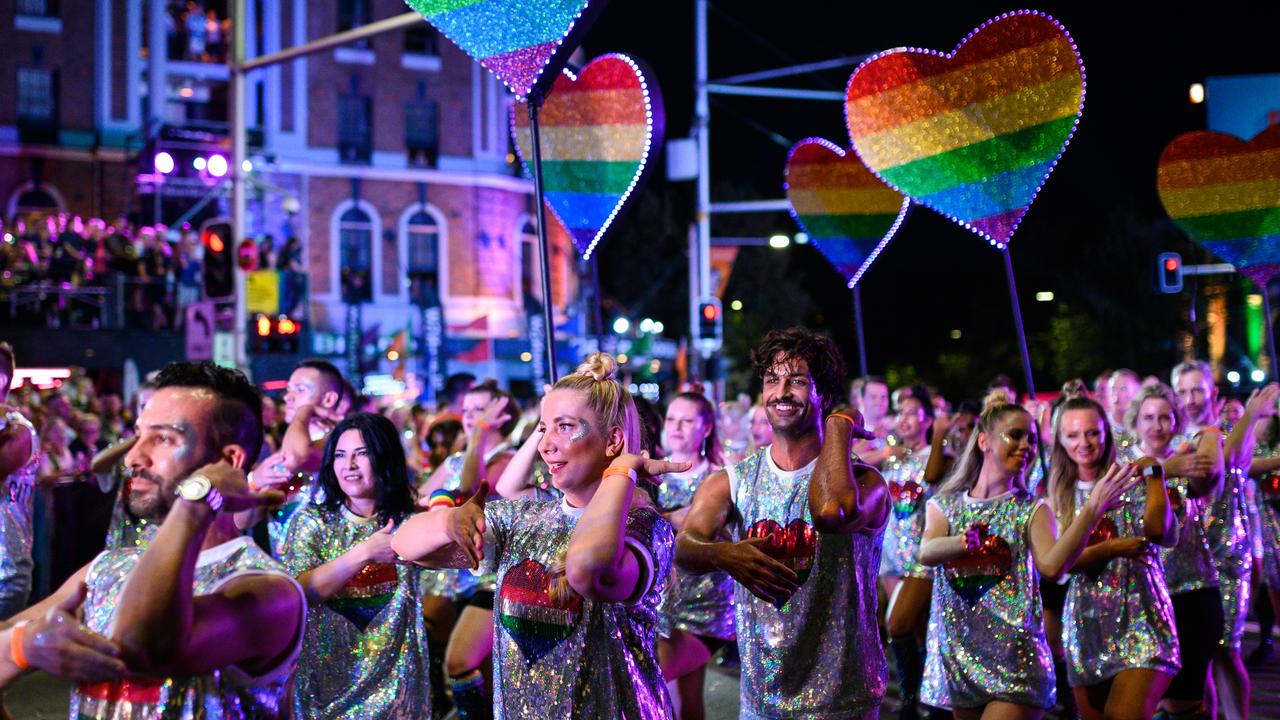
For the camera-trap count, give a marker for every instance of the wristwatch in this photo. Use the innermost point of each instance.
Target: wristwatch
(198, 488)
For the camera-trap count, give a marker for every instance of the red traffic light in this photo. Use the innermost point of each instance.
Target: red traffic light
(710, 311)
(1171, 264)
(286, 326)
(213, 241)
(264, 326)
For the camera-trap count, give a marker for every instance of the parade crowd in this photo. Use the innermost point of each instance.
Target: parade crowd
(201, 550)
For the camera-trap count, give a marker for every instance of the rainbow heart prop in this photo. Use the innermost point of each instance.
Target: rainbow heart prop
(597, 130)
(795, 546)
(528, 613)
(973, 575)
(1225, 194)
(846, 210)
(525, 43)
(906, 498)
(366, 594)
(975, 133)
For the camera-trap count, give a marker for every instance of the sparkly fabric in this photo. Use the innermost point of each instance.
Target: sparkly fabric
(1119, 616)
(848, 212)
(557, 654)
(1222, 191)
(597, 132)
(278, 518)
(698, 604)
(973, 134)
(908, 492)
(986, 622)
(228, 694)
(1267, 500)
(17, 505)
(819, 655)
(452, 584)
(365, 652)
(1226, 523)
(126, 530)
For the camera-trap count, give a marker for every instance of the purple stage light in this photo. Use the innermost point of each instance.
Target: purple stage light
(217, 165)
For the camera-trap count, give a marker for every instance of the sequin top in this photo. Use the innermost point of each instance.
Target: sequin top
(17, 502)
(698, 604)
(365, 652)
(229, 694)
(908, 492)
(278, 518)
(449, 583)
(557, 654)
(1226, 524)
(986, 622)
(1267, 501)
(1118, 615)
(819, 655)
(1188, 565)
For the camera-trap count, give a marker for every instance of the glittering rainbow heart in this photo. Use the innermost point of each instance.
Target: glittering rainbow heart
(1104, 531)
(1269, 490)
(597, 131)
(525, 43)
(847, 211)
(973, 575)
(975, 133)
(795, 546)
(366, 594)
(906, 498)
(1225, 194)
(528, 613)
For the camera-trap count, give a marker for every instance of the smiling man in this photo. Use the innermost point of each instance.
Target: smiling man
(800, 577)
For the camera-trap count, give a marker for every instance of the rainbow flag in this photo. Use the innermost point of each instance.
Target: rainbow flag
(849, 214)
(597, 131)
(1225, 194)
(524, 43)
(973, 134)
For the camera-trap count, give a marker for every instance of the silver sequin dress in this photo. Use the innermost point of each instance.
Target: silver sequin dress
(819, 655)
(1267, 500)
(228, 694)
(17, 505)
(1226, 523)
(1118, 615)
(908, 492)
(557, 654)
(698, 604)
(365, 652)
(986, 622)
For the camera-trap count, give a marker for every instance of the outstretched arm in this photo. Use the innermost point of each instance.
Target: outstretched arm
(845, 496)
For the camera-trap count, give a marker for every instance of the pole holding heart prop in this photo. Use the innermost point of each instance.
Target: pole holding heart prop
(1225, 194)
(848, 213)
(974, 133)
(524, 43)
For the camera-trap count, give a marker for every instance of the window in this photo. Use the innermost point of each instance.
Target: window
(422, 235)
(421, 40)
(422, 132)
(530, 273)
(37, 104)
(355, 255)
(355, 131)
(36, 201)
(352, 14)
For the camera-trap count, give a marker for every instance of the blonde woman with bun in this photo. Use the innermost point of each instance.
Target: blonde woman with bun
(991, 540)
(1121, 647)
(580, 580)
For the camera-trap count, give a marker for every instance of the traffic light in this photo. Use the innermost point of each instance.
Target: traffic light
(219, 261)
(279, 334)
(711, 323)
(1169, 272)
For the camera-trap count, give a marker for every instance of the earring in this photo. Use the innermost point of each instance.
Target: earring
(608, 453)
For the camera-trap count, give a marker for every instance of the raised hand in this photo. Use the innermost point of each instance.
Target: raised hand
(58, 644)
(849, 420)
(495, 414)
(236, 494)
(377, 547)
(647, 467)
(1188, 464)
(274, 471)
(467, 525)
(1114, 483)
(1262, 402)
(760, 574)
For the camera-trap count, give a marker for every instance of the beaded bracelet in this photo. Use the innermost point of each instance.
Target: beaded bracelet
(15, 645)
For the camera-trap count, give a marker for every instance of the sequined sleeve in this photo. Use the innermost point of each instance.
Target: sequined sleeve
(500, 518)
(650, 536)
(304, 543)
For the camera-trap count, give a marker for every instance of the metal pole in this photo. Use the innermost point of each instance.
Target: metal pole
(1271, 331)
(695, 371)
(857, 324)
(702, 124)
(834, 63)
(1022, 346)
(543, 246)
(364, 31)
(239, 152)
(776, 92)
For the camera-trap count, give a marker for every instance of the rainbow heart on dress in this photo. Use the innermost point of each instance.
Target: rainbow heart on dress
(795, 546)
(1225, 194)
(1269, 490)
(973, 575)
(366, 594)
(525, 43)
(526, 610)
(906, 498)
(975, 133)
(848, 213)
(1102, 532)
(597, 131)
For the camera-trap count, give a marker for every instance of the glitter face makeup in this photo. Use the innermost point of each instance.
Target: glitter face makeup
(580, 434)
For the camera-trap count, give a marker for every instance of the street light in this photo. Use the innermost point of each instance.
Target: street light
(802, 238)
(1257, 376)
(621, 326)
(646, 325)
(1044, 296)
(1197, 93)
(779, 241)
(1233, 377)
(164, 163)
(217, 166)
(736, 305)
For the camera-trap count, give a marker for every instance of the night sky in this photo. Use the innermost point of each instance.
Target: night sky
(1090, 237)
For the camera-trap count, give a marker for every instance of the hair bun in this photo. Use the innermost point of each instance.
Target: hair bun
(998, 396)
(1073, 389)
(599, 367)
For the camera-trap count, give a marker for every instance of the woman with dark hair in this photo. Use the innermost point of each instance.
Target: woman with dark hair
(1118, 619)
(991, 540)
(365, 650)
(697, 612)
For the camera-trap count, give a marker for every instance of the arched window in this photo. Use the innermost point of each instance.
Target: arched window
(29, 198)
(355, 255)
(530, 277)
(422, 258)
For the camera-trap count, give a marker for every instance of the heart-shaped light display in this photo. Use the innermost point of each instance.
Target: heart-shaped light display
(846, 210)
(1225, 194)
(597, 129)
(795, 546)
(529, 614)
(973, 575)
(905, 497)
(975, 133)
(525, 43)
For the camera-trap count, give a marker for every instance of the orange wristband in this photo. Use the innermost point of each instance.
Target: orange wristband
(627, 472)
(15, 645)
(482, 424)
(843, 416)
